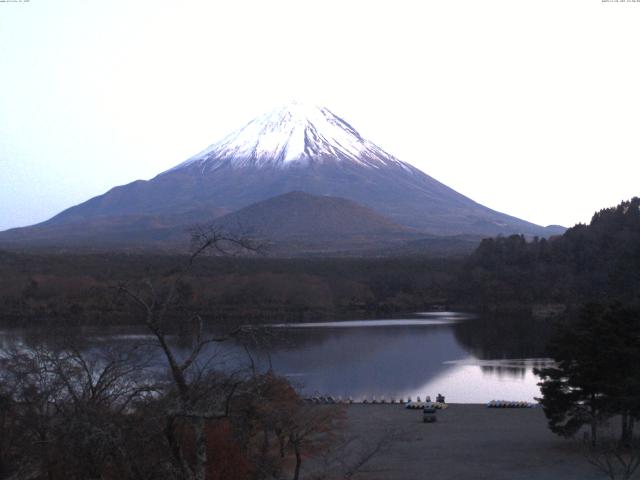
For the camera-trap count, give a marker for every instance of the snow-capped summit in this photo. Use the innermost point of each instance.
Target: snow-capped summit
(293, 134)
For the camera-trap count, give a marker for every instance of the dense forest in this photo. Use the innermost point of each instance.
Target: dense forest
(82, 288)
(595, 262)
(599, 261)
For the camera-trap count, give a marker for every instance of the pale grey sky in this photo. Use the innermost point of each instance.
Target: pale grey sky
(529, 107)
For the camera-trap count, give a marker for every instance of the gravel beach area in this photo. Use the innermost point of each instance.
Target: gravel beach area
(467, 442)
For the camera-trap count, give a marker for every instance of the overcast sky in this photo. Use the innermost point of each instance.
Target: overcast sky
(528, 107)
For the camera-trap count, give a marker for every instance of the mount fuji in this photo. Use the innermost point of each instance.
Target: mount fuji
(295, 148)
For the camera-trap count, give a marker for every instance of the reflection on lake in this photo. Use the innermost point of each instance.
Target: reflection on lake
(468, 359)
(517, 367)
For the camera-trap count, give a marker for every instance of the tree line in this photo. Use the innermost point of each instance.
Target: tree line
(77, 289)
(595, 262)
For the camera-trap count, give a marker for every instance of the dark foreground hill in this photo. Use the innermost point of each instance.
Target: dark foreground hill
(298, 222)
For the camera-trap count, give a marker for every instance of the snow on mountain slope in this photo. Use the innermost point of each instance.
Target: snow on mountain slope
(294, 134)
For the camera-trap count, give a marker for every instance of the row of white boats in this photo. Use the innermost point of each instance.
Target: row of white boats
(412, 404)
(510, 404)
(409, 402)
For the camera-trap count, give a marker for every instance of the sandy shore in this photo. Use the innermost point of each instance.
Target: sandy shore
(468, 442)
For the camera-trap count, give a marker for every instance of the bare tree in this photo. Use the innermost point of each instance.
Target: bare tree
(32, 390)
(309, 429)
(191, 405)
(70, 413)
(351, 456)
(617, 459)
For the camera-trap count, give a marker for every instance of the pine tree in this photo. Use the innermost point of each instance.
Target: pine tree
(596, 372)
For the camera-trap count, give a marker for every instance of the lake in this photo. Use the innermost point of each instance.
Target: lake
(468, 359)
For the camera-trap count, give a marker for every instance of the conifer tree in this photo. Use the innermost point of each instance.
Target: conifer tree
(596, 372)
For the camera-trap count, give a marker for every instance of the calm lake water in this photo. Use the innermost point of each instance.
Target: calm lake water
(466, 358)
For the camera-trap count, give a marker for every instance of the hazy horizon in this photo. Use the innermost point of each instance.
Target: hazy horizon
(527, 108)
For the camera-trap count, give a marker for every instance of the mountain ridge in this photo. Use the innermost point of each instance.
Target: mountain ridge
(293, 148)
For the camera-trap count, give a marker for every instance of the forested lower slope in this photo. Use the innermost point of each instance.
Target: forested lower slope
(595, 262)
